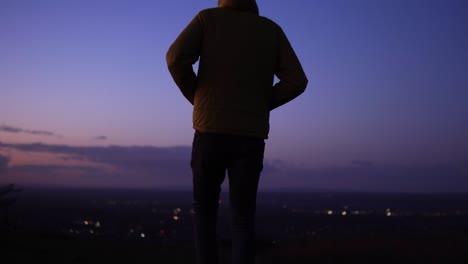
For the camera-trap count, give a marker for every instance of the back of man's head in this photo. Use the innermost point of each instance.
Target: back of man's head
(244, 5)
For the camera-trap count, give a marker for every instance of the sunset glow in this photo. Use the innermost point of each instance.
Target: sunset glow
(385, 110)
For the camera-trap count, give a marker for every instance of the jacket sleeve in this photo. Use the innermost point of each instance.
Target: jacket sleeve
(292, 79)
(181, 56)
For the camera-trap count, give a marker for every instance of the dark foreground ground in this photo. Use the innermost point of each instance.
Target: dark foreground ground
(37, 248)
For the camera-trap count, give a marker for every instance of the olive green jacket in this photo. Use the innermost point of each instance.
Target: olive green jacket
(240, 52)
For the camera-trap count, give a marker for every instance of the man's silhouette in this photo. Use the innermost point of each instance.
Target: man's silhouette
(240, 52)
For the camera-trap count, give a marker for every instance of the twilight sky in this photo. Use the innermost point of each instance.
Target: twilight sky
(386, 108)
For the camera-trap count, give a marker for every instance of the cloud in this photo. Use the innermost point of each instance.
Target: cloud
(54, 169)
(100, 138)
(82, 176)
(376, 178)
(132, 166)
(160, 167)
(362, 163)
(130, 157)
(10, 129)
(4, 160)
(73, 157)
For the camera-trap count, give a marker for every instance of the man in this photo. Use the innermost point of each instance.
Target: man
(240, 52)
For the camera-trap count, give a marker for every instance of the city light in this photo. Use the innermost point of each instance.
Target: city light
(169, 219)
(388, 212)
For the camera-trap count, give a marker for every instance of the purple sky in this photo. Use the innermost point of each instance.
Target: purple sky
(387, 94)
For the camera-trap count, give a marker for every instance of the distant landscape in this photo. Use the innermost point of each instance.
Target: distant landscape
(59, 225)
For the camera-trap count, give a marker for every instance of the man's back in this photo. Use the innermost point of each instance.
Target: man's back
(240, 52)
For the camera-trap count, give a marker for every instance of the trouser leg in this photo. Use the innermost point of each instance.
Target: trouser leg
(244, 172)
(208, 174)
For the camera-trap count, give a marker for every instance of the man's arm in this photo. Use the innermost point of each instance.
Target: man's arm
(182, 54)
(292, 79)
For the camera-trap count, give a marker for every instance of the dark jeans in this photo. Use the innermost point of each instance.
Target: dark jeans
(242, 157)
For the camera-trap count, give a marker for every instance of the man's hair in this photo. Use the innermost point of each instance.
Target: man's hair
(246, 5)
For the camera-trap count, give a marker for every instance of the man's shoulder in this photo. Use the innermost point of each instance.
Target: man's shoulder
(270, 22)
(208, 11)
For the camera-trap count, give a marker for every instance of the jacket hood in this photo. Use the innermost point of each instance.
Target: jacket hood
(242, 5)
